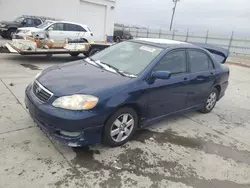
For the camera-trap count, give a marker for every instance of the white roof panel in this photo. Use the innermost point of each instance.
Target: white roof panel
(161, 41)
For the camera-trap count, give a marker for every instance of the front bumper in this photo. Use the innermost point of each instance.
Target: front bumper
(54, 120)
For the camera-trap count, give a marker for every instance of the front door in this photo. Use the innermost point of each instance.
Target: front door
(201, 77)
(168, 96)
(57, 32)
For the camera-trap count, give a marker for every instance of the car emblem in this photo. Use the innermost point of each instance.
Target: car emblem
(38, 90)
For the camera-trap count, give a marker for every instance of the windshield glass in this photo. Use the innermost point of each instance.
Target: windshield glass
(44, 25)
(19, 19)
(129, 57)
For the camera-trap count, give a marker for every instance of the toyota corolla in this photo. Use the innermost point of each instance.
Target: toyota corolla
(105, 98)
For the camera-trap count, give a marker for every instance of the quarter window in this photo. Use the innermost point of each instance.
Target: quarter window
(174, 62)
(37, 22)
(199, 61)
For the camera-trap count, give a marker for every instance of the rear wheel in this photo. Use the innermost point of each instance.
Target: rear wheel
(210, 101)
(93, 51)
(74, 54)
(120, 127)
(118, 39)
(10, 33)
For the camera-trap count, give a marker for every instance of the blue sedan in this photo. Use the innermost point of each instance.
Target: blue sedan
(105, 98)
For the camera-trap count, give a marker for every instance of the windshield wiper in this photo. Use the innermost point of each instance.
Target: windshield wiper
(116, 69)
(96, 63)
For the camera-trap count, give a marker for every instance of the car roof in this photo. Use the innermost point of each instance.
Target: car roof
(164, 43)
(71, 23)
(43, 18)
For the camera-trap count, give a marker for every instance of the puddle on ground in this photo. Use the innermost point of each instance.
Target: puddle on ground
(31, 67)
(166, 137)
(134, 161)
(208, 147)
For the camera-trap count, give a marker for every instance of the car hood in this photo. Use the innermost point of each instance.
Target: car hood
(32, 29)
(9, 23)
(79, 77)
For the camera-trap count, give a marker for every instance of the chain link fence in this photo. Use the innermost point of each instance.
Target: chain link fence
(236, 45)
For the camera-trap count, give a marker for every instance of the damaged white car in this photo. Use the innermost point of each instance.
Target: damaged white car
(58, 31)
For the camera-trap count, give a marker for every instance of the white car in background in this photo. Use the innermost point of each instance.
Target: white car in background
(58, 31)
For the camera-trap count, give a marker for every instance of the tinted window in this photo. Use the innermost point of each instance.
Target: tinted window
(126, 33)
(199, 61)
(37, 22)
(80, 28)
(28, 21)
(57, 27)
(174, 62)
(118, 33)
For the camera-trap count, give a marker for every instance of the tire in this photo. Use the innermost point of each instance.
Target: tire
(93, 51)
(74, 54)
(118, 39)
(10, 33)
(3, 35)
(115, 124)
(210, 102)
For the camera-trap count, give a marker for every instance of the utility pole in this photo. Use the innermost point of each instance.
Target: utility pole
(172, 19)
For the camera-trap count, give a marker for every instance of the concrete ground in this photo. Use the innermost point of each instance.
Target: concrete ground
(192, 150)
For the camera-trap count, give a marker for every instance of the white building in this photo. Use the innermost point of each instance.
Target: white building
(99, 15)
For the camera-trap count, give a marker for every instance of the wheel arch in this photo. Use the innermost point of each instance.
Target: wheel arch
(218, 87)
(134, 106)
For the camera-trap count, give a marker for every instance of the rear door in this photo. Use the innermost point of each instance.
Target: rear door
(202, 77)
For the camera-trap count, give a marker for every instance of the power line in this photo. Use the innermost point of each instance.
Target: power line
(172, 19)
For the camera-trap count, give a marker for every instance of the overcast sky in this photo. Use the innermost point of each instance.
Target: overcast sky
(215, 15)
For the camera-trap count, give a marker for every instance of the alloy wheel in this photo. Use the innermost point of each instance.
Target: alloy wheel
(211, 101)
(122, 127)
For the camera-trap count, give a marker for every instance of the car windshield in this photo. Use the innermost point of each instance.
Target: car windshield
(129, 57)
(44, 25)
(19, 19)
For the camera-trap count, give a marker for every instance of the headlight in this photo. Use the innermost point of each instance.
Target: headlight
(25, 31)
(76, 102)
(2, 25)
(38, 74)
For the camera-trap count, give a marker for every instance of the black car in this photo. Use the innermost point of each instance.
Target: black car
(8, 28)
(121, 35)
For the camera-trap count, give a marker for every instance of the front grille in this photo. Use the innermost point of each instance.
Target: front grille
(41, 92)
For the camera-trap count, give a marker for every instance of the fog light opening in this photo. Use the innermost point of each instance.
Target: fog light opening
(70, 134)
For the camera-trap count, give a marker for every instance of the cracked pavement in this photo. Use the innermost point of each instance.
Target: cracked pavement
(192, 150)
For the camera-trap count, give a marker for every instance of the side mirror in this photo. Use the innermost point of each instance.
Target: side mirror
(50, 29)
(164, 75)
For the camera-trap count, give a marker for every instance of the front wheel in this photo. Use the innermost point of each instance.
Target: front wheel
(10, 33)
(120, 127)
(74, 54)
(210, 101)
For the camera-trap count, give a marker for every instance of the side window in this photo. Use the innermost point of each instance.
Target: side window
(80, 28)
(174, 62)
(37, 22)
(28, 21)
(56, 27)
(199, 61)
(70, 27)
